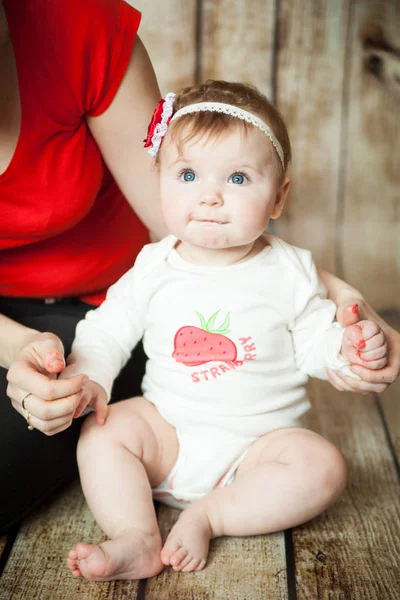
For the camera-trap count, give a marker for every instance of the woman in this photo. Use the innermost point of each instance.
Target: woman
(80, 91)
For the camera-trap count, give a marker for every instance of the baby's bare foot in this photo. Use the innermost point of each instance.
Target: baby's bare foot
(186, 548)
(132, 555)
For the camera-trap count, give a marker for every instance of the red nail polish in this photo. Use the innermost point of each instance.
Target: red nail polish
(354, 309)
(360, 344)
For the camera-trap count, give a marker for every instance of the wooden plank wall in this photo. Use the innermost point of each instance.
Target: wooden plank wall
(314, 59)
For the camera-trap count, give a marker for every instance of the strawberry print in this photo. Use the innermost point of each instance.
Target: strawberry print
(195, 346)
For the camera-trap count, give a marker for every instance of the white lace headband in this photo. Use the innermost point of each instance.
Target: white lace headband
(163, 116)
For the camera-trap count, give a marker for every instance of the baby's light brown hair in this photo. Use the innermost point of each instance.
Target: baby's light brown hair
(214, 124)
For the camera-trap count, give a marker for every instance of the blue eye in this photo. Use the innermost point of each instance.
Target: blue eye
(237, 178)
(188, 175)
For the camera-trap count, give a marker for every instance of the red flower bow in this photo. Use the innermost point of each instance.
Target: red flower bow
(155, 120)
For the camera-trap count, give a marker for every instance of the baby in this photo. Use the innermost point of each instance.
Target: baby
(233, 321)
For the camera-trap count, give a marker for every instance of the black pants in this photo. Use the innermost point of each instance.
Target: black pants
(33, 465)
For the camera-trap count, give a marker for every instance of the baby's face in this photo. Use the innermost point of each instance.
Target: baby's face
(221, 192)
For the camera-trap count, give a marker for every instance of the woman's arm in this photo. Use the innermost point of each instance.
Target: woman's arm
(345, 298)
(119, 133)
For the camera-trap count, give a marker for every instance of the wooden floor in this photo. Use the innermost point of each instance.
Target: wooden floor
(352, 552)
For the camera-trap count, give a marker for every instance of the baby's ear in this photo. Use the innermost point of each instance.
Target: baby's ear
(281, 198)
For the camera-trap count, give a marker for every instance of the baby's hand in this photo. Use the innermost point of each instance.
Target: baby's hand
(93, 397)
(364, 344)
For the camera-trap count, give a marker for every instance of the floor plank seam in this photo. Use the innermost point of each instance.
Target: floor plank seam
(290, 565)
(11, 536)
(141, 593)
(388, 436)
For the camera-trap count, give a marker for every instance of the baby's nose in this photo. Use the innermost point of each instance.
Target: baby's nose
(211, 198)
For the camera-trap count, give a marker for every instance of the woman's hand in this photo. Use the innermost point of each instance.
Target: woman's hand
(51, 402)
(371, 380)
(364, 344)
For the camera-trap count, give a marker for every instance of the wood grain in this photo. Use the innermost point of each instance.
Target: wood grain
(310, 75)
(353, 550)
(37, 567)
(237, 568)
(168, 30)
(371, 216)
(237, 41)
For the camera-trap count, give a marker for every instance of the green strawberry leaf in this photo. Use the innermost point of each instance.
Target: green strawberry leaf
(210, 325)
(225, 325)
(203, 323)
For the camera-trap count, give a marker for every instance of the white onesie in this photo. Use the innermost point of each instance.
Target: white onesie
(229, 351)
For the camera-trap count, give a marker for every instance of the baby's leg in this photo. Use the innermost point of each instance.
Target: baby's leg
(119, 462)
(287, 477)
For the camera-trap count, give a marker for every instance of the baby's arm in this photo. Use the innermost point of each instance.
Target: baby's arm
(322, 343)
(104, 341)
(346, 298)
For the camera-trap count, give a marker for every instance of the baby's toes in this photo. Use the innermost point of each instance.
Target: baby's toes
(76, 572)
(179, 557)
(202, 564)
(184, 562)
(73, 555)
(83, 550)
(72, 562)
(171, 546)
(192, 565)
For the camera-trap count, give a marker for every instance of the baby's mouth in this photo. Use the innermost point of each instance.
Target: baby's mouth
(211, 221)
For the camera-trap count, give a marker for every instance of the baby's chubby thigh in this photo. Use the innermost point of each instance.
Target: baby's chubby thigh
(310, 460)
(136, 425)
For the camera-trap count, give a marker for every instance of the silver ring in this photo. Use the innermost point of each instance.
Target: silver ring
(23, 400)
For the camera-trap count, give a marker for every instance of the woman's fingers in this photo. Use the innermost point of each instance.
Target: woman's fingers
(54, 362)
(26, 377)
(51, 427)
(347, 314)
(49, 410)
(338, 383)
(373, 378)
(372, 384)
(373, 364)
(47, 352)
(49, 417)
(388, 374)
(50, 402)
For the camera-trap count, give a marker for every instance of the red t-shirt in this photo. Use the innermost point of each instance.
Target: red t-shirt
(65, 228)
